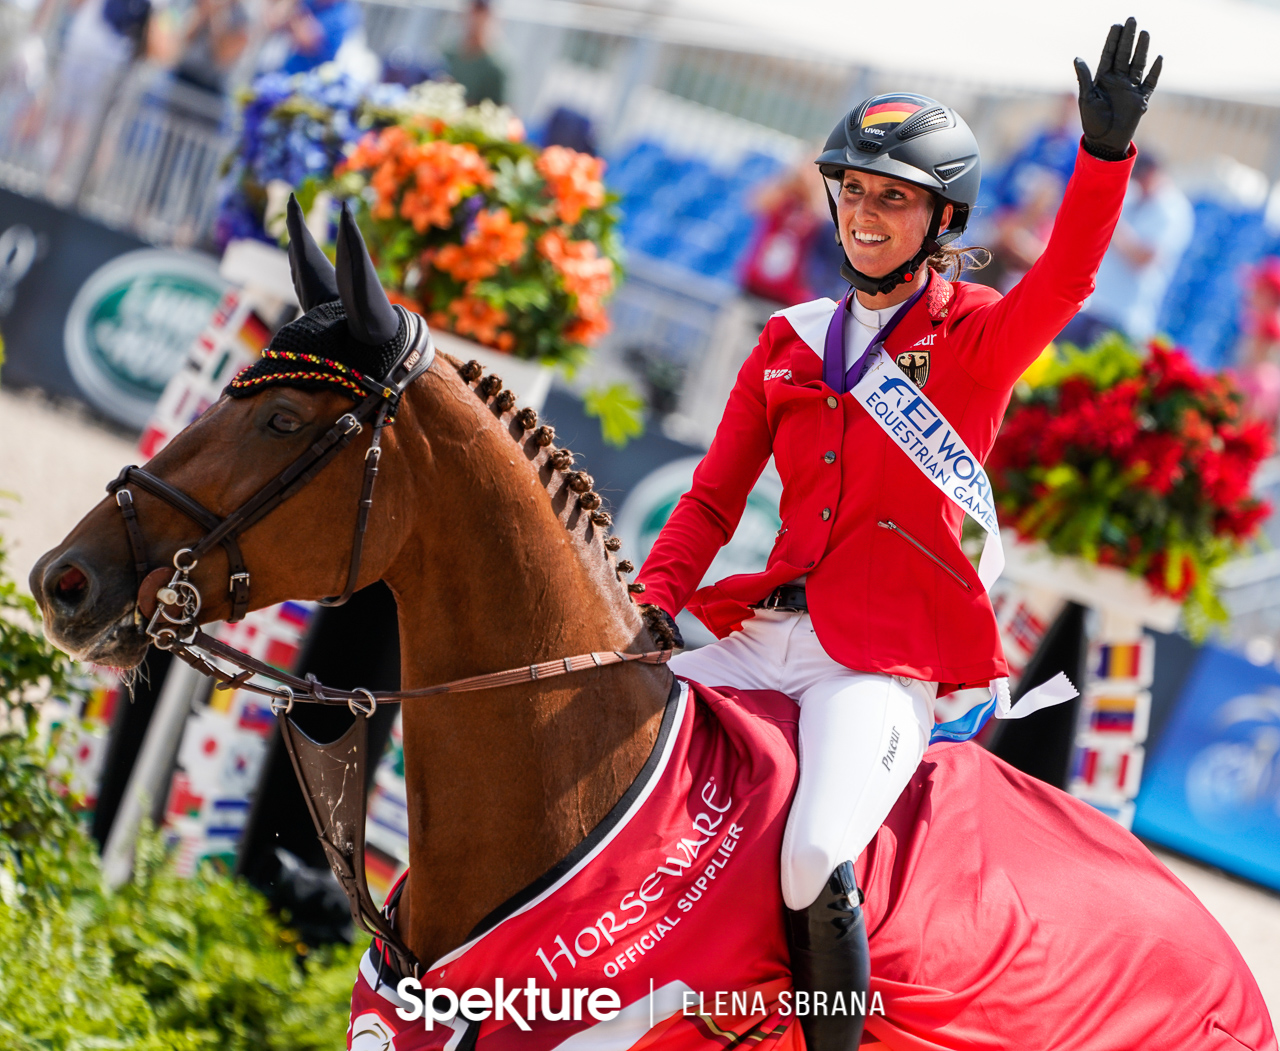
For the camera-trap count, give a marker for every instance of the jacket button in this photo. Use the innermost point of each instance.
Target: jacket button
(829, 457)
(826, 513)
(832, 403)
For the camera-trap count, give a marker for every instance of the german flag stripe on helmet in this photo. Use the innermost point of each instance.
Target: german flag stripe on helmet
(894, 112)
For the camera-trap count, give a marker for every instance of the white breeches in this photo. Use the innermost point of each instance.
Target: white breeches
(862, 735)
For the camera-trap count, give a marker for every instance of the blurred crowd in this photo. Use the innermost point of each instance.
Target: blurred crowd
(64, 63)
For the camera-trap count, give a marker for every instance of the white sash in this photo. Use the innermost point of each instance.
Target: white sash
(906, 415)
(909, 418)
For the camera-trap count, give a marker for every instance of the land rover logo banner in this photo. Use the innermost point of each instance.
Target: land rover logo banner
(133, 322)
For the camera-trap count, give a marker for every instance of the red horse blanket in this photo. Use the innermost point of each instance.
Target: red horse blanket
(1002, 913)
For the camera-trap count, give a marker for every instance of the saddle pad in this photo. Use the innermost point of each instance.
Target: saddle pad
(676, 893)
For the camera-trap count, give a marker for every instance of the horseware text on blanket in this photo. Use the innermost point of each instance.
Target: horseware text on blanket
(638, 931)
(975, 887)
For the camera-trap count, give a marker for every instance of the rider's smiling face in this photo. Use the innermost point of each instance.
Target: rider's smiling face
(883, 221)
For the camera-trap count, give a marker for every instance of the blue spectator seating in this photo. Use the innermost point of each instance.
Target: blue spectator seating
(683, 211)
(1202, 309)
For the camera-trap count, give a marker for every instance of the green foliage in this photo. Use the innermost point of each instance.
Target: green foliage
(33, 821)
(620, 411)
(1103, 365)
(29, 667)
(162, 964)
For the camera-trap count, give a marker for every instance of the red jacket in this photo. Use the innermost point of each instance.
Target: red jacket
(877, 602)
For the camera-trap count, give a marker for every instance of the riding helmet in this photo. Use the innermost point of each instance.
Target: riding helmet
(918, 140)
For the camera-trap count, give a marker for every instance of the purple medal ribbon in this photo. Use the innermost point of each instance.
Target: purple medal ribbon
(833, 350)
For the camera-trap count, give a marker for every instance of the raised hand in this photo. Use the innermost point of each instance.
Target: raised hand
(1112, 104)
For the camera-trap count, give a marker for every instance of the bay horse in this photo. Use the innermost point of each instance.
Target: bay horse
(1001, 912)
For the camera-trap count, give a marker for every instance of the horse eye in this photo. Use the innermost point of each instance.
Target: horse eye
(282, 424)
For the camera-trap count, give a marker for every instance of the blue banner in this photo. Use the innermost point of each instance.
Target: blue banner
(1211, 788)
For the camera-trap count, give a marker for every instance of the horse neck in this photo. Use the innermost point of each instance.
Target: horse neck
(502, 569)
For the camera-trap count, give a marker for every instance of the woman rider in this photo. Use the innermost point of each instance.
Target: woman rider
(868, 605)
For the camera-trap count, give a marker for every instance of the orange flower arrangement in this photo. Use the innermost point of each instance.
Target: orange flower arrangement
(475, 317)
(494, 242)
(587, 274)
(574, 179)
(469, 224)
(434, 176)
(587, 329)
(490, 238)
(443, 172)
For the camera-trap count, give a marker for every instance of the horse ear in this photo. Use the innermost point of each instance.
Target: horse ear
(313, 276)
(370, 317)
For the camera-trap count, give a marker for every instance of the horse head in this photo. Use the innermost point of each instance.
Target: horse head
(89, 588)
(496, 549)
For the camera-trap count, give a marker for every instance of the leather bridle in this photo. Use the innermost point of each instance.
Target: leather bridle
(377, 407)
(332, 776)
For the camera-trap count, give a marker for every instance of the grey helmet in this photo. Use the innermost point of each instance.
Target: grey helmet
(918, 140)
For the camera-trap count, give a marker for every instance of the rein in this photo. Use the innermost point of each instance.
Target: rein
(365, 702)
(332, 776)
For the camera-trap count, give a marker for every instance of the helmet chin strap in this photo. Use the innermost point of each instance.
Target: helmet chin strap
(878, 286)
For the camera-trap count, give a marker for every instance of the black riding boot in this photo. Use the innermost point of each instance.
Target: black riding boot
(829, 955)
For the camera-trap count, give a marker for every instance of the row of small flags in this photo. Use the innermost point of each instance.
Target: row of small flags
(225, 743)
(387, 827)
(1106, 766)
(235, 337)
(81, 734)
(1023, 616)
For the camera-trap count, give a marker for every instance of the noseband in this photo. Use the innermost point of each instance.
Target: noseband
(378, 407)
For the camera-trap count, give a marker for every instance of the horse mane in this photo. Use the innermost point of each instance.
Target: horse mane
(561, 460)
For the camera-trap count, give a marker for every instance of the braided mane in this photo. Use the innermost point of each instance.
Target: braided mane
(503, 401)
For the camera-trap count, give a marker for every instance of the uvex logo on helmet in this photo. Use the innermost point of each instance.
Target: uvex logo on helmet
(918, 140)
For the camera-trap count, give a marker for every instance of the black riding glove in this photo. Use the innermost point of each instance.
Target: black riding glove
(1112, 105)
(662, 626)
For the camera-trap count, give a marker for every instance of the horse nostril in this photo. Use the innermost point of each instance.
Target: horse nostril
(71, 586)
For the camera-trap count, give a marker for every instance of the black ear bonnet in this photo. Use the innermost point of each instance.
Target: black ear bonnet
(317, 351)
(350, 330)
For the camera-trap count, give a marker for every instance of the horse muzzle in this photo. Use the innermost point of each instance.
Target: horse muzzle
(89, 612)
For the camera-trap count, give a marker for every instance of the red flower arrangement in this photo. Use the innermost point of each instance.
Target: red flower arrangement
(1135, 461)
